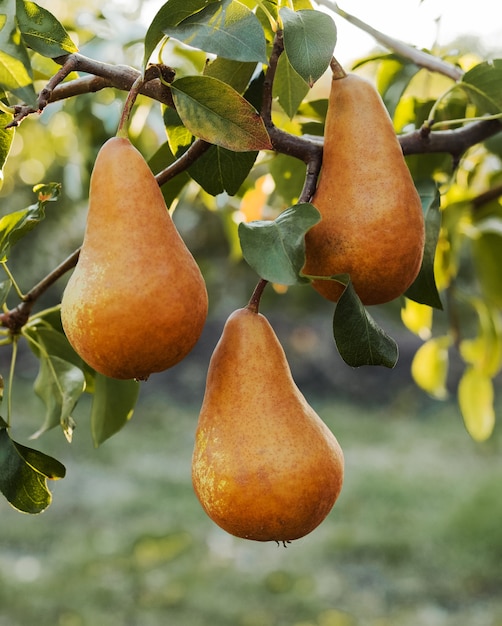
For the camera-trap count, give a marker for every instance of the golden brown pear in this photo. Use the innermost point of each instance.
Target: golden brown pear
(372, 224)
(136, 302)
(265, 466)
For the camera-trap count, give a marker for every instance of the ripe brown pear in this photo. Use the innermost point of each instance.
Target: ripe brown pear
(265, 466)
(372, 224)
(136, 302)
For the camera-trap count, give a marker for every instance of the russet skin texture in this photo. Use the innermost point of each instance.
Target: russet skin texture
(136, 302)
(265, 466)
(372, 224)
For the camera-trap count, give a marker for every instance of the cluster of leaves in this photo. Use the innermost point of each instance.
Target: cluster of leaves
(263, 51)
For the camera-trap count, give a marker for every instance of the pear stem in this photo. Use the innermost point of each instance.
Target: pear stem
(254, 302)
(128, 105)
(337, 69)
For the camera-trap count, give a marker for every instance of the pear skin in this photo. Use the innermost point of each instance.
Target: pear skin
(136, 302)
(265, 466)
(372, 224)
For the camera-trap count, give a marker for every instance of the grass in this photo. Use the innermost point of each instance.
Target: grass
(415, 538)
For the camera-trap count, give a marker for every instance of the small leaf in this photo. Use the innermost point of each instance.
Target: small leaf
(24, 473)
(359, 339)
(112, 406)
(394, 76)
(429, 367)
(475, 399)
(172, 13)
(289, 87)
(59, 385)
(423, 289)
(14, 226)
(227, 29)
(215, 112)
(219, 170)
(309, 41)
(41, 31)
(276, 249)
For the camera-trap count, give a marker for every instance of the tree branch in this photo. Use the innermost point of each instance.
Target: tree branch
(419, 57)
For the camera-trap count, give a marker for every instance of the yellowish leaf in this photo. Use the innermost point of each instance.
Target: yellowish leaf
(475, 399)
(417, 318)
(430, 367)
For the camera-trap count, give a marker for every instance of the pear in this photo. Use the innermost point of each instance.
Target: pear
(265, 466)
(372, 224)
(136, 302)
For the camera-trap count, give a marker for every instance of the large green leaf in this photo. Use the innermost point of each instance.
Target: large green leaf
(359, 339)
(59, 384)
(24, 473)
(14, 226)
(289, 87)
(15, 66)
(172, 13)
(276, 249)
(483, 85)
(112, 406)
(219, 170)
(423, 289)
(227, 29)
(213, 111)
(309, 41)
(41, 31)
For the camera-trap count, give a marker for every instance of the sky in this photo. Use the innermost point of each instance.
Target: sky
(417, 23)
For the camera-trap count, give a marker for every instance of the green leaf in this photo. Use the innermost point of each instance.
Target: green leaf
(394, 76)
(276, 249)
(6, 139)
(172, 13)
(15, 66)
(219, 170)
(24, 473)
(112, 406)
(59, 384)
(41, 31)
(161, 159)
(214, 111)
(288, 174)
(482, 84)
(309, 41)
(237, 74)
(424, 289)
(359, 339)
(178, 136)
(14, 226)
(289, 87)
(227, 29)
(475, 399)
(487, 259)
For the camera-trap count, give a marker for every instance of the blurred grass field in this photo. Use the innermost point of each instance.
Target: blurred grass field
(415, 538)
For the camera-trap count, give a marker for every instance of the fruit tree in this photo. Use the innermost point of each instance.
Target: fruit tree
(367, 184)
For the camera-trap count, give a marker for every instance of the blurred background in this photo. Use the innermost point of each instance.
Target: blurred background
(415, 538)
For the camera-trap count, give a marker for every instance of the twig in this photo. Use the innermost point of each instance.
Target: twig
(196, 150)
(17, 317)
(419, 57)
